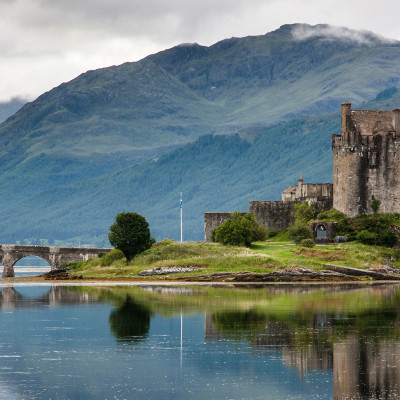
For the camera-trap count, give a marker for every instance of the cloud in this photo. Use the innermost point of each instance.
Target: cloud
(327, 32)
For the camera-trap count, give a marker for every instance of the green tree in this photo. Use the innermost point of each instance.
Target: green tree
(130, 233)
(240, 230)
(306, 211)
(300, 231)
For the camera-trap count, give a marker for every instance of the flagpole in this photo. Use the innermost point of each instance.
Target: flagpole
(180, 205)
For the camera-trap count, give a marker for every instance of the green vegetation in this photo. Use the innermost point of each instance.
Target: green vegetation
(262, 257)
(213, 257)
(376, 229)
(240, 230)
(307, 243)
(375, 204)
(130, 233)
(300, 232)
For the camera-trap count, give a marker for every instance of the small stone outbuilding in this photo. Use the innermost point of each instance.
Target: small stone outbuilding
(324, 232)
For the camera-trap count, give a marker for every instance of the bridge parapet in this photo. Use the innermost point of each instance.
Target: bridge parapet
(57, 257)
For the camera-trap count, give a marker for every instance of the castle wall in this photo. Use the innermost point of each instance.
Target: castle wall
(279, 215)
(274, 215)
(366, 164)
(212, 220)
(316, 190)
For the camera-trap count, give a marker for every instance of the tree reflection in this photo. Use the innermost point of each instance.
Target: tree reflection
(239, 325)
(130, 322)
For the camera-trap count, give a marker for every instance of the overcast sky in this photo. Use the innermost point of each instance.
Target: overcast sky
(46, 42)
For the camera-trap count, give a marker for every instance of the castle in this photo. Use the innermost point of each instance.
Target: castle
(366, 163)
(278, 215)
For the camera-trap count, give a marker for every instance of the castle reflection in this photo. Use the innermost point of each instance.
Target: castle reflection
(353, 333)
(365, 362)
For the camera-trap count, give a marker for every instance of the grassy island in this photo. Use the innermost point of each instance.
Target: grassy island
(213, 261)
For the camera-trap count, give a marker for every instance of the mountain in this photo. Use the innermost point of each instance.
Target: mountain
(215, 173)
(130, 137)
(9, 108)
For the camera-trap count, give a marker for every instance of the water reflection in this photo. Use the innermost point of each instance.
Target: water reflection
(340, 342)
(130, 322)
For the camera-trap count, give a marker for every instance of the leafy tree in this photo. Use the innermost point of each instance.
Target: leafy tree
(303, 212)
(239, 230)
(306, 211)
(130, 233)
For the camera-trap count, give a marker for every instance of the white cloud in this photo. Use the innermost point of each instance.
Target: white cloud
(303, 32)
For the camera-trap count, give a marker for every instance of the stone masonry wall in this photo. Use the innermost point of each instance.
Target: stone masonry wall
(274, 215)
(279, 215)
(212, 220)
(365, 165)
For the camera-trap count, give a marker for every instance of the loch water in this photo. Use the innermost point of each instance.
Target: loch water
(200, 342)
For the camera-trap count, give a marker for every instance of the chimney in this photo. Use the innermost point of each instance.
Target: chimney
(300, 179)
(396, 119)
(346, 112)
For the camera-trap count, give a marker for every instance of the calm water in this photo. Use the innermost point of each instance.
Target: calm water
(197, 342)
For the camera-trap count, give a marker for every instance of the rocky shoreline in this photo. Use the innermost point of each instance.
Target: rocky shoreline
(332, 273)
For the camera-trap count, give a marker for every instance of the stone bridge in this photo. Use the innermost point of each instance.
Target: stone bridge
(57, 257)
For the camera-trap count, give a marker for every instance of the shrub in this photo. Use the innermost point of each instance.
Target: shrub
(375, 204)
(387, 238)
(299, 231)
(130, 233)
(303, 212)
(367, 237)
(113, 255)
(272, 233)
(343, 221)
(239, 230)
(307, 243)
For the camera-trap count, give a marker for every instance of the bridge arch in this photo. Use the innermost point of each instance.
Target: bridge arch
(31, 266)
(45, 258)
(57, 257)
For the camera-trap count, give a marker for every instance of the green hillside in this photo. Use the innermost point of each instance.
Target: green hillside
(216, 173)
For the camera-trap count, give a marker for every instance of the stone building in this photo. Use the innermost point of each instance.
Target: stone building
(307, 191)
(366, 161)
(277, 215)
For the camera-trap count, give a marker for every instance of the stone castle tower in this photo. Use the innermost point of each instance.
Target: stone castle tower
(366, 161)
